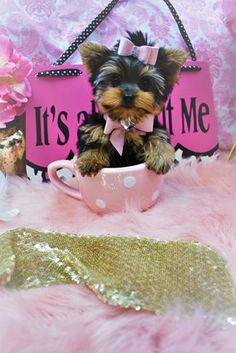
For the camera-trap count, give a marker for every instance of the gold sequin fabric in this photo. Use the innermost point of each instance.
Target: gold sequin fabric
(136, 273)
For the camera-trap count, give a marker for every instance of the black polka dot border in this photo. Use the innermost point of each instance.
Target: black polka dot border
(191, 68)
(59, 73)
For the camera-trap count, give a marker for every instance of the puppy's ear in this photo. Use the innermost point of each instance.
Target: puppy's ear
(93, 56)
(169, 63)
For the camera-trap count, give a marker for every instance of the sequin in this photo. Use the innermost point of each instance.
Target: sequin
(133, 273)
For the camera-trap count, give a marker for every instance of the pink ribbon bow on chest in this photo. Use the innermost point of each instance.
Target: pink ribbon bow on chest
(117, 130)
(145, 53)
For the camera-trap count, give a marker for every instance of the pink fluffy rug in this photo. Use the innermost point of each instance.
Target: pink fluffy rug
(197, 202)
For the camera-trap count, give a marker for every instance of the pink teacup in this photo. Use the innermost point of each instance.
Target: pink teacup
(112, 189)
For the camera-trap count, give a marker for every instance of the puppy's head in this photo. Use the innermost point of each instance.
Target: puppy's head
(124, 87)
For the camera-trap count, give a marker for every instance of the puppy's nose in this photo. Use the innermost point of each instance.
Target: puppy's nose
(128, 97)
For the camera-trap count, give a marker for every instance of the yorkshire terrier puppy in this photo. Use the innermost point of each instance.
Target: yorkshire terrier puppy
(130, 85)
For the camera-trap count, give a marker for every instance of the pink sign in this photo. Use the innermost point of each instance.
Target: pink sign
(57, 107)
(189, 114)
(59, 104)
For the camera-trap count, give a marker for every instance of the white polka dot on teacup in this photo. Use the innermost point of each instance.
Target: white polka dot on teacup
(129, 181)
(155, 195)
(100, 203)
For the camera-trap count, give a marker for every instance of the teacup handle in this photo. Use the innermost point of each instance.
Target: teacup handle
(53, 176)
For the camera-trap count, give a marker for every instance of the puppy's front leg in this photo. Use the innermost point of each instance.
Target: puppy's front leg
(93, 154)
(158, 152)
(92, 161)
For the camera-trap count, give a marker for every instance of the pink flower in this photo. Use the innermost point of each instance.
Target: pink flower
(229, 8)
(14, 85)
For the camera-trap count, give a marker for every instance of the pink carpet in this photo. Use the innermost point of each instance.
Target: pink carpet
(197, 202)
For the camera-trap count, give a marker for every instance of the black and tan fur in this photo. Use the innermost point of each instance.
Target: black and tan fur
(124, 89)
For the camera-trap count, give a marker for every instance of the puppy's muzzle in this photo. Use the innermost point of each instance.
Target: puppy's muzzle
(128, 94)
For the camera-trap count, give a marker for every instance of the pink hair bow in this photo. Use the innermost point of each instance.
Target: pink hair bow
(117, 130)
(145, 53)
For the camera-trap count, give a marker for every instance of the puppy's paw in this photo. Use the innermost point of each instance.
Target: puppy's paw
(160, 159)
(91, 163)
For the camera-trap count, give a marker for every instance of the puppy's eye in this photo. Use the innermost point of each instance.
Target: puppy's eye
(115, 80)
(144, 84)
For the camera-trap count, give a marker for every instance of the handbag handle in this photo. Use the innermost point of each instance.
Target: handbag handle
(84, 35)
(95, 23)
(182, 30)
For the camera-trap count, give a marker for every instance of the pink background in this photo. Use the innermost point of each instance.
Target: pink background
(42, 29)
